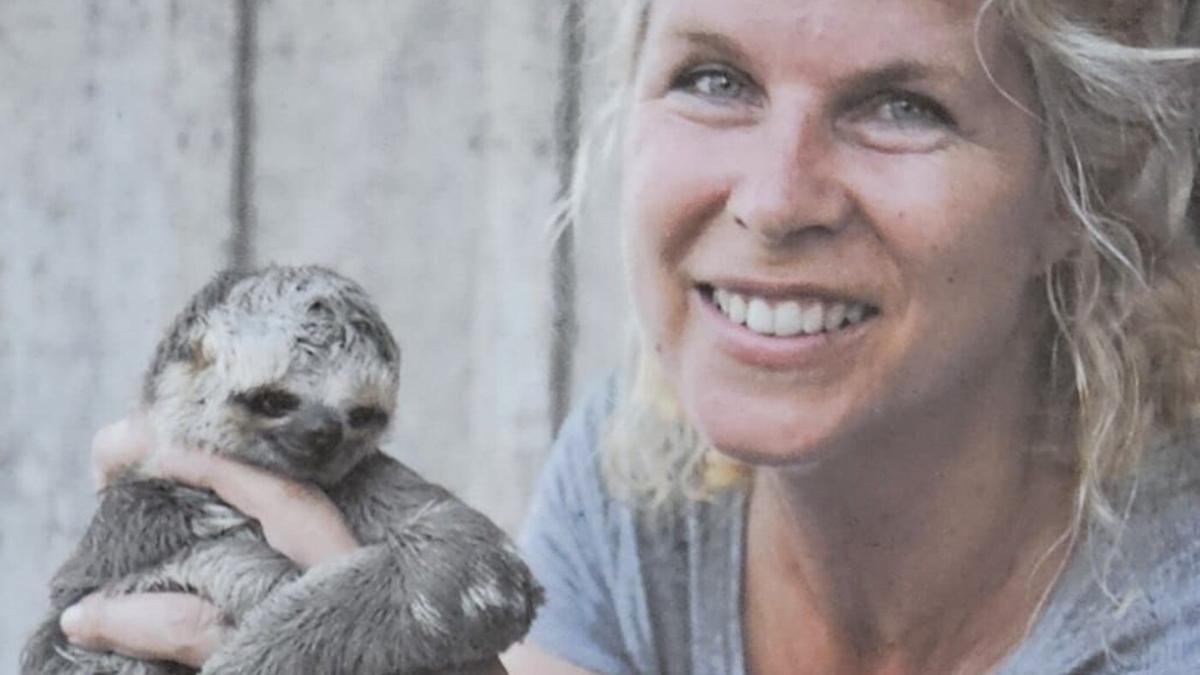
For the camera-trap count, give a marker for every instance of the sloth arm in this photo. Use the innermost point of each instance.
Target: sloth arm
(435, 584)
(140, 523)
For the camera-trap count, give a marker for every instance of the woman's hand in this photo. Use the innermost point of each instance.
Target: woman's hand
(158, 626)
(297, 519)
(169, 626)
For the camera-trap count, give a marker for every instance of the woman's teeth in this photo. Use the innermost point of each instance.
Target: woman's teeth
(790, 317)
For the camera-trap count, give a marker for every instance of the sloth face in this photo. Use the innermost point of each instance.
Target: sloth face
(303, 436)
(289, 369)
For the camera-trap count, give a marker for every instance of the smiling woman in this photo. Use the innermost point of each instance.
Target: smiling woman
(809, 190)
(918, 315)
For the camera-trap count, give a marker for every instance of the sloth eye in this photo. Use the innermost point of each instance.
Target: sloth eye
(366, 416)
(269, 402)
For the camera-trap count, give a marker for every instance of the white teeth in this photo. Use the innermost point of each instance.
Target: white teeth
(759, 317)
(814, 318)
(788, 318)
(835, 314)
(854, 314)
(721, 296)
(736, 311)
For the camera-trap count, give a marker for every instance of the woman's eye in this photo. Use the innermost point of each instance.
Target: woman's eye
(899, 121)
(910, 109)
(713, 83)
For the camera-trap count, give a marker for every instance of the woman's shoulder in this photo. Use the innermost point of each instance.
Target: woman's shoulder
(572, 471)
(1129, 599)
(618, 577)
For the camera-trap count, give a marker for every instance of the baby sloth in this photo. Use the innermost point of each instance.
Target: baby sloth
(293, 370)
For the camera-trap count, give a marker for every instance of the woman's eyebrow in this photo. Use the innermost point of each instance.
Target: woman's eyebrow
(902, 72)
(715, 42)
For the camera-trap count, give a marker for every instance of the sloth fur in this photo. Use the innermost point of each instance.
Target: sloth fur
(293, 370)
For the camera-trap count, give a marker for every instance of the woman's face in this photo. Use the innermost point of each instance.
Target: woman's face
(835, 219)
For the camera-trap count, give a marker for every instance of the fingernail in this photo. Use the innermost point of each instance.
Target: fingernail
(71, 622)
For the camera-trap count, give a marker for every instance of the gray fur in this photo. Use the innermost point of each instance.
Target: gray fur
(293, 370)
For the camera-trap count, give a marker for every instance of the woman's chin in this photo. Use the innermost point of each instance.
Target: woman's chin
(760, 439)
(781, 419)
(798, 458)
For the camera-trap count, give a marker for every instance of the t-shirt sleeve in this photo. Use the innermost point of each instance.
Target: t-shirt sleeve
(571, 540)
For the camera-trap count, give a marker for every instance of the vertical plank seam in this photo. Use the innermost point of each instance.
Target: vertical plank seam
(241, 242)
(1189, 33)
(563, 274)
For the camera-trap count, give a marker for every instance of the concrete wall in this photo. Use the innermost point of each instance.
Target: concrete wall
(415, 145)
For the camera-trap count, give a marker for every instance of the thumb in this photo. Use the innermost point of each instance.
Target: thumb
(156, 626)
(118, 445)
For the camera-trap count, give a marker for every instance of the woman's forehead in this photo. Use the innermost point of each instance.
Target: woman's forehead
(930, 26)
(944, 39)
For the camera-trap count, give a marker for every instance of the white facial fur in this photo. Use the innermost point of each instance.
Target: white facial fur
(306, 332)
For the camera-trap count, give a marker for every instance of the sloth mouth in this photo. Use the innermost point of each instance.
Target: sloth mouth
(297, 457)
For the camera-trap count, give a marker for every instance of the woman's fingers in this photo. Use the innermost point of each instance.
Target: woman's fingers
(170, 626)
(118, 445)
(298, 519)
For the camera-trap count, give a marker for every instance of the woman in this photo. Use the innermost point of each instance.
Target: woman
(891, 255)
(918, 306)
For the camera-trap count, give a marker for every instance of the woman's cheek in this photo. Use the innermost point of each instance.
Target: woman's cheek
(677, 174)
(674, 193)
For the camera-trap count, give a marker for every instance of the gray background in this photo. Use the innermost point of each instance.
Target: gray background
(416, 145)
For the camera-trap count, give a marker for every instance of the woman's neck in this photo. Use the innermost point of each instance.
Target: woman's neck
(911, 553)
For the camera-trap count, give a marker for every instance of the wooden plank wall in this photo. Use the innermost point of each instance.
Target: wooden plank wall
(416, 145)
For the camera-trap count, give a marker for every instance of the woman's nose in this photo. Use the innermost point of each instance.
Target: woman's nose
(790, 183)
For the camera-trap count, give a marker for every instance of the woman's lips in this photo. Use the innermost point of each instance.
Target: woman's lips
(782, 331)
(788, 315)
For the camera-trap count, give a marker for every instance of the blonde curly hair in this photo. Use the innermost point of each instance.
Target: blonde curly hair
(1118, 104)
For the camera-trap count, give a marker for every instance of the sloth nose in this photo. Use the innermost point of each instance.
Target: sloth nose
(320, 430)
(324, 438)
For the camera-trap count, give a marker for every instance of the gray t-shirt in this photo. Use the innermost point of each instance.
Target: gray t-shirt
(628, 595)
